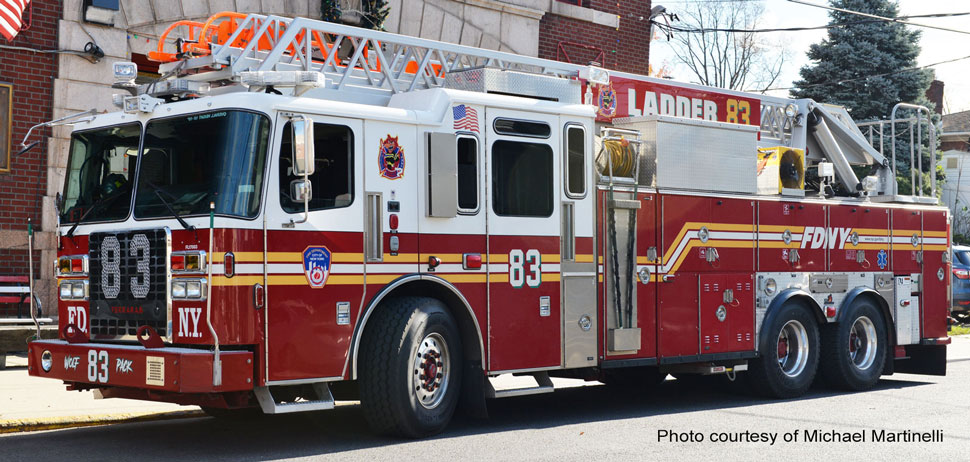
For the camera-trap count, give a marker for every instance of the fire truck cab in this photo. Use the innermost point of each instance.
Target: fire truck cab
(301, 211)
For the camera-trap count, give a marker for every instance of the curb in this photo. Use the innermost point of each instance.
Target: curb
(57, 423)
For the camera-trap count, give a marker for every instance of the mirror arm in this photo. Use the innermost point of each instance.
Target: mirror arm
(306, 199)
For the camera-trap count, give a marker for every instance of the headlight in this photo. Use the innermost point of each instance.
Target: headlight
(193, 289)
(178, 289)
(65, 290)
(770, 286)
(77, 290)
(46, 360)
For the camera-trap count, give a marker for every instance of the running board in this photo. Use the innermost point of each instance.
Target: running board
(543, 385)
(269, 405)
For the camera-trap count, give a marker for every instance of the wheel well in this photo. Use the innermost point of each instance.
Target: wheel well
(431, 287)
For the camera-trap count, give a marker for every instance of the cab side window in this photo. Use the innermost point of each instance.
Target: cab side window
(332, 181)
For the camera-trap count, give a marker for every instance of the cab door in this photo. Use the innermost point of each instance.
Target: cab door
(523, 240)
(315, 281)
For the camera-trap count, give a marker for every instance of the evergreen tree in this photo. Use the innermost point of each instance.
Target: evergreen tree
(848, 65)
(858, 66)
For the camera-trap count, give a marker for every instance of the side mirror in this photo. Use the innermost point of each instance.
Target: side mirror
(301, 190)
(302, 131)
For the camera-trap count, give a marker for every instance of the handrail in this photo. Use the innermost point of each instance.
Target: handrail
(913, 173)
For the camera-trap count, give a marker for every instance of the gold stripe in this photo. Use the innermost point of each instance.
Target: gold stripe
(722, 244)
(934, 233)
(935, 247)
(584, 258)
(868, 247)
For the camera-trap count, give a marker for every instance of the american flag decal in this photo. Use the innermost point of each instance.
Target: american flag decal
(11, 12)
(466, 118)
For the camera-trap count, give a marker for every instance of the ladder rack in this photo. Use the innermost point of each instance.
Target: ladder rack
(229, 44)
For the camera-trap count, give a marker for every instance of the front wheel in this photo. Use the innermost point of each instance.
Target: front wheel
(410, 371)
(789, 354)
(854, 350)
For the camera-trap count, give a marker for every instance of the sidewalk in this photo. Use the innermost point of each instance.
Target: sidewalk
(33, 403)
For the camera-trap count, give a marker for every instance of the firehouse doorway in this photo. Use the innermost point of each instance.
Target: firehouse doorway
(523, 240)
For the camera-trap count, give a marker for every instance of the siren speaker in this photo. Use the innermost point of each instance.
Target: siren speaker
(781, 170)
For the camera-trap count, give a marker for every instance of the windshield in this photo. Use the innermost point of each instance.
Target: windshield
(97, 184)
(189, 161)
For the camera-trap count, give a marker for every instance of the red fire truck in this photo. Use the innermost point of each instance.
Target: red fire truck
(300, 211)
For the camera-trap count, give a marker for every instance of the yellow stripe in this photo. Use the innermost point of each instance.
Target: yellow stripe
(498, 258)
(584, 258)
(871, 231)
(934, 233)
(868, 247)
(935, 247)
(721, 244)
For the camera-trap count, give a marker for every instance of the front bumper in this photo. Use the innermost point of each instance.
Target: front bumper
(179, 370)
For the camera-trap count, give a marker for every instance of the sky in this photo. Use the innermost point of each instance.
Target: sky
(937, 45)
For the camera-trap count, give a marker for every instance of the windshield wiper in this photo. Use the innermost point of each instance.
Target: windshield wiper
(158, 193)
(101, 201)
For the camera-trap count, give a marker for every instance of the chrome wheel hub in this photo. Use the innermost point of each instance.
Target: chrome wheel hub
(793, 348)
(863, 343)
(431, 374)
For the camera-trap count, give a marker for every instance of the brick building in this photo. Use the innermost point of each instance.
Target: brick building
(27, 72)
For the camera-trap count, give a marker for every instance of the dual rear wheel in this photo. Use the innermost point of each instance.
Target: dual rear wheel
(849, 354)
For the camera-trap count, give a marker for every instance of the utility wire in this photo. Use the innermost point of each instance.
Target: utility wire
(883, 18)
(703, 30)
(841, 81)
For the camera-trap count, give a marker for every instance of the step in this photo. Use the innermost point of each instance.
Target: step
(269, 405)
(543, 385)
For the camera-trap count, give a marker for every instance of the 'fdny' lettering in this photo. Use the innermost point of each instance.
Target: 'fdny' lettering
(817, 237)
(189, 322)
(122, 365)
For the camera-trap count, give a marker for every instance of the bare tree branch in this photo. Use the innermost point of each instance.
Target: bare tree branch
(739, 60)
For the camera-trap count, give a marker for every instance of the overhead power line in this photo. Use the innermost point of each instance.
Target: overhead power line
(882, 18)
(856, 79)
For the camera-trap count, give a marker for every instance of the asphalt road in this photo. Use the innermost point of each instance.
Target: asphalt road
(580, 423)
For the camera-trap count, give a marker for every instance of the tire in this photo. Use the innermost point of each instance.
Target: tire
(789, 354)
(408, 340)
(633, 378)
(854, 349)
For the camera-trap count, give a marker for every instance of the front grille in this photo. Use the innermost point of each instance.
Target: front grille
(129, 282)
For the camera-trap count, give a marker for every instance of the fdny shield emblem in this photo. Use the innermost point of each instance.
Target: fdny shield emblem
(316, 266)
(391, 158)
(606, 101)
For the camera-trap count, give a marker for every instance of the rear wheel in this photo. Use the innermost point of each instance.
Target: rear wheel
(789, 354)
(854, 350)
(410, 368)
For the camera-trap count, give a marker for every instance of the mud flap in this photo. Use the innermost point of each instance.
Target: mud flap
(472, 400)
(923, 359)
